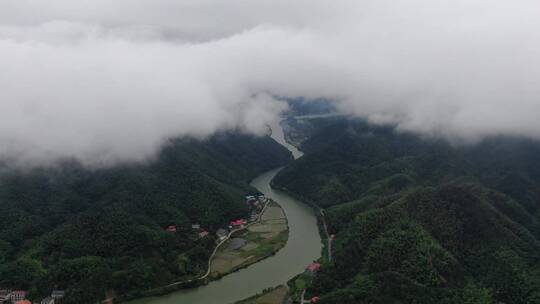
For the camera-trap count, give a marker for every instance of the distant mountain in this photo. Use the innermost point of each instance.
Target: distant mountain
(301, 106)
(422, 221)
(91, 230)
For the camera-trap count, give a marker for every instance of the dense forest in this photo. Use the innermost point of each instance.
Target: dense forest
(89, 230)
(421, 220)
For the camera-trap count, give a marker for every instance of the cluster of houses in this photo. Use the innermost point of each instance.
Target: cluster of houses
(201, 233)
(256, 205)
(8, 296)
(196, 227)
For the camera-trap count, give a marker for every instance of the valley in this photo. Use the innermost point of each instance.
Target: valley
(302, 248)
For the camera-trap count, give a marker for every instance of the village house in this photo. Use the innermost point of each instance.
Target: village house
(222, 234)
(237, 224)
(47, 300)
(313, 267)
(23, 302)
(315, 299)
(58, 296)
(196, 226)
(254, 202)
(203, 233)
(17, 295)
(4, 295)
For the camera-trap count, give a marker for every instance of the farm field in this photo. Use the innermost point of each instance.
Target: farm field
(254, 243)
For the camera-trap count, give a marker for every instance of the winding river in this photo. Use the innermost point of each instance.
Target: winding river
(304, 246)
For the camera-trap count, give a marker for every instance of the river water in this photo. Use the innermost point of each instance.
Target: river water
(303, 247)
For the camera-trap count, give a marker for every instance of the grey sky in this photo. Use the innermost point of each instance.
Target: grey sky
(110, 80)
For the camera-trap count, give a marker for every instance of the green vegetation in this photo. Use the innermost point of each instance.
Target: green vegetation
(298, 284)
(262, 239)
(90, 231)
(271, 296)
(421, 220)
(267, 245)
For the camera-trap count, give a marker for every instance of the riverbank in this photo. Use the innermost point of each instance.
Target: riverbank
(253, 244)
(321, 222)
(302, 248)
(276, 295)
(250, 231)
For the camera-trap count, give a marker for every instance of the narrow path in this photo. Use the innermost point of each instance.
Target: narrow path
(219, 245)
(302, 247)
(302, 301)
(328, 238)
(110, 299)
(330, 250)
(259, 218)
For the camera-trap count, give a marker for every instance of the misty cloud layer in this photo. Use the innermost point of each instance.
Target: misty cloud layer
(109, 81)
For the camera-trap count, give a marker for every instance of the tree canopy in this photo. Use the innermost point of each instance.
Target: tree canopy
(91, 230)
(421, 220)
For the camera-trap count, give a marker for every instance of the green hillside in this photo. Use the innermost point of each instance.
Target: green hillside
(420, 220)
(92, 230)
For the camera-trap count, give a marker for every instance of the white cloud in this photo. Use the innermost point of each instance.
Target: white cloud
(105, 80)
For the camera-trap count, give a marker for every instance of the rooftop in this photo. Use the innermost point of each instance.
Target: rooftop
(314, 267)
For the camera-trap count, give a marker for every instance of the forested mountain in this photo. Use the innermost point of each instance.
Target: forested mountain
(421, 220)
(92, 230)
(302, 106)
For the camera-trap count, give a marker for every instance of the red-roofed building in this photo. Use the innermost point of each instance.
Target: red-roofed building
(251, 201)
(23, 302)
(203, 233)
(314, 267)
(315, 299)
(238, 223)
(332, 236)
